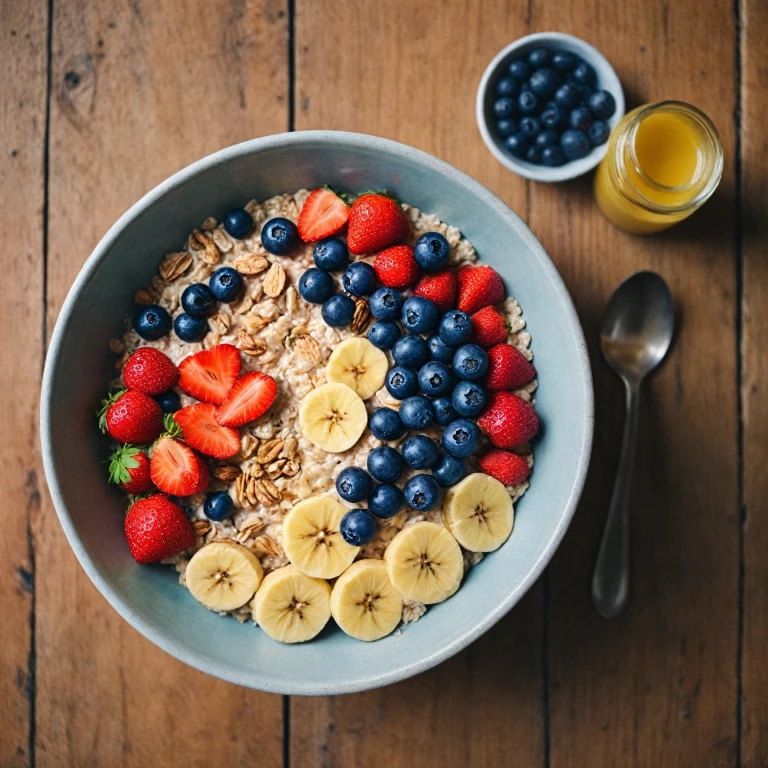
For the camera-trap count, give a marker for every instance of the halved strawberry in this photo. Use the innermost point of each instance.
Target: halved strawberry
(203, 433)
(176, 469)
(249, 398)
(210, 374)
(323, 214)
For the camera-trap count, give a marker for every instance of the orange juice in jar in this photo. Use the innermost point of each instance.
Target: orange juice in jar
(663, 162)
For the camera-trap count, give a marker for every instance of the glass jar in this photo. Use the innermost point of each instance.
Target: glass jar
(663, 162)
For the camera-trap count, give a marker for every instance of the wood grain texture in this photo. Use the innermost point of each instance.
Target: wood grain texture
(23, 60)
(140, 90)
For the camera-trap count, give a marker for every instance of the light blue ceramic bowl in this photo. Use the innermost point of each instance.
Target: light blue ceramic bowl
(79, 363)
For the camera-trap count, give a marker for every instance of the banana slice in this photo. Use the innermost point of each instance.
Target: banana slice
(364, 603)
(290, 606)
(358, 364)
(333, 417)
(479, 513)
(312, 541)
(223, 575)
(424, 563)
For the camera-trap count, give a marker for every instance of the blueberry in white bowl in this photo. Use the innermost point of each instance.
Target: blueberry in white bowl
(218, 506)
(432, 252)
(435, 379)
(226, 284)
(460, 438)
(439, 350)
(358, 527)
(198, 300)
(422, 493)
(152, 322)
(384, 334)
(385, 501)
(420, 452)
(338, 311)
(359, 279)
(385, 464)
(416, 412)
(189, 328)
(419, 315)
(449, 470)
(316, 286)
(468, 398)
(353, 484)
(280, 236)
(386, 424)
(331, 254)
(470, 362)
(385, 304)
(455, 328)
(445, 413)
(402, 382)
(411, 351)
(238, 223)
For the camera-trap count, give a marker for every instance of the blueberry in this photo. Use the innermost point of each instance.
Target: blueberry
(316, 286)
(385, 464)
(386, 424)
(529, 127)
(432, 251)
(527, 103)
(519, 70)
(338, 311)
(280, 236)
(168, 401)
(218, 506)
(547, 139)
(445, 413)
(331, 254)
(435, 379)
(384, 333)
(152, 322)
(449, 470)
(238, 223)
(567, 96)
(226, 284)
(470, 363)
(598, 133)
(385, 500)
(416, 412)
(420, 452)
(422, 492)
(505, 128)
(439, 350)
(460, 438)
(539, 57)
(553, 157)
(602, 104)
(455, 327)
(402, 382)
(517, 145)
(564, 61)
(544, 82)
(411, 351)
(581, 118)
(503, 107)
(507, 86)
(468, 398)
(359, 279)
(584, 74)
(586, 92)
(358, 527)
(353, 484)
(190, 329)
(419, 315)
(552, 118)
(574, 144)
(385, 304)
(533, 155)
(197, 300)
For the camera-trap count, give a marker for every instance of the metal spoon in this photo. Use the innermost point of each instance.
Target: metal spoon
(635, 333)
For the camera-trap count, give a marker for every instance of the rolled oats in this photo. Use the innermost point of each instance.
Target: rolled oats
(211, 340)
(266, 492)
(248, 446)
(255, 470)
(204, 247)
(248, 532)
(291, 468)
(274, 281)
(201, 527)
(220, 322)
(175, 265)
(308, 348)
(221, 238)
(254, 323)
(209, 224)
(269, 450)
(290, 447)
(291, 299)
(268, 545)
(250, 264)
(275, 469)
(249, 344)
(243, 306)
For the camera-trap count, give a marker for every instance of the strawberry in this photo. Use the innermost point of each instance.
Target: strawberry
(210, 374)
(249, 398)
(489, 327)
(131, 417)
(149, 371)
(440, 288)
(176, 469)
(396, 267)
(323, 214)
(479, 287)
(508, 420)
(375, 222)
(508, 368)
(156, 528)
(129, 468)
(508, 468)
(202, 432)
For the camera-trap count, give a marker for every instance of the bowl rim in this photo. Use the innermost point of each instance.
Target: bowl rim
(114, 597)
(574, 168)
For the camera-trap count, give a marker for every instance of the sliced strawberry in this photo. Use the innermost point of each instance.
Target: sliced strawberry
(176, 469)
(203, 433)
(323, 214)
(210, 374)
(249, 398)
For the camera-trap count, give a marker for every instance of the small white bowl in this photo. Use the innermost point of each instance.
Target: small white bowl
(607, 80)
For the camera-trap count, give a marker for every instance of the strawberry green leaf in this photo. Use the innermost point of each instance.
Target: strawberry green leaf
(343, 196)
(172, 428)
(108, 401)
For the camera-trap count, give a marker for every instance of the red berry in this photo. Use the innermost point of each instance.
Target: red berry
(129, 468)
(508, 368)
(323, 214)
(508, 468)
(490, 327)
(396, 267)
(375, 222)
(250, 397)
(210, 374)
(149, 371)
(508, 420)
(479, 287)
(176, 469)
(131, 417)
(202, 432)
(440, 288)
(156, 528)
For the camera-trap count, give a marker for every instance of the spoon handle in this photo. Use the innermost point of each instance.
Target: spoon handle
(610, 582)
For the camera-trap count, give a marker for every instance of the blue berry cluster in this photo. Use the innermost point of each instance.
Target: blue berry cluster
(549, 109)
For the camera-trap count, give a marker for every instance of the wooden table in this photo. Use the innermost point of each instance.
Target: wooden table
(100, 101)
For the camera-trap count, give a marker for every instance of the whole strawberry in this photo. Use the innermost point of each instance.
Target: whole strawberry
(508, 368)
(489, 327)
(149, 371)
(396, 267)
(375, 222)
(479, 287)
(156, 528)
(440, 288)
(508, 468)
(131, 417)
(129, 468)
(508, 420)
